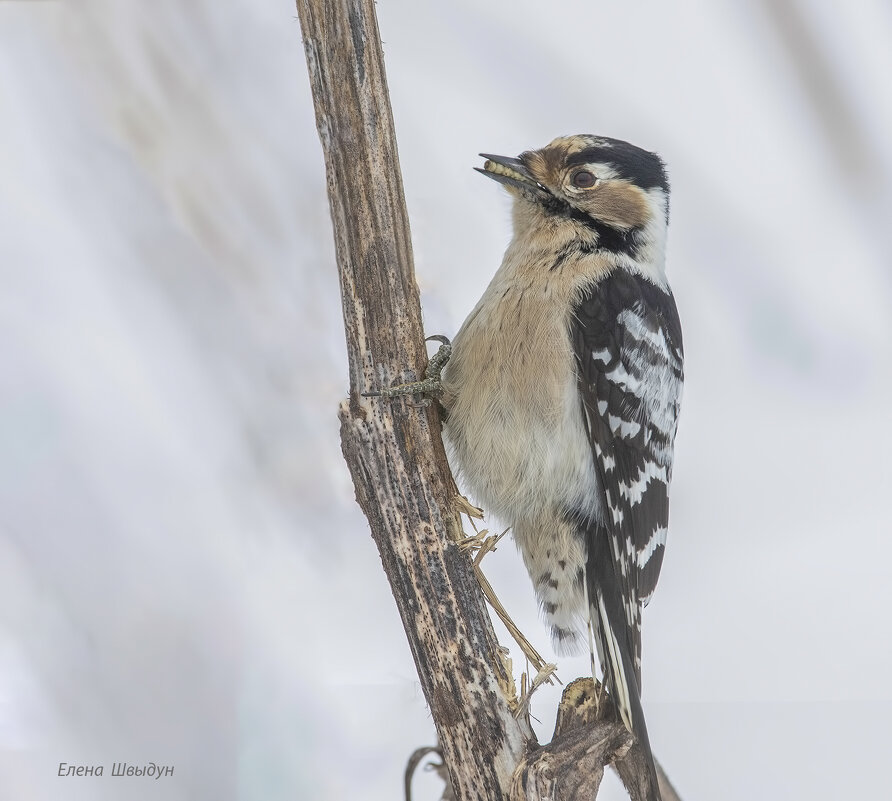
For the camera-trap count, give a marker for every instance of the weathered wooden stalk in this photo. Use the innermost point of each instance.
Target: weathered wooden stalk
(393, 447)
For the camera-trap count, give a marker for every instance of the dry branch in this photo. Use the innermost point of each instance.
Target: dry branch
(393, 447)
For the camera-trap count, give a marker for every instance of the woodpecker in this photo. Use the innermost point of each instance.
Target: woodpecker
(562, 394)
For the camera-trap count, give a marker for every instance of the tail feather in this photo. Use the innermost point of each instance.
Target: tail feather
(614, 637)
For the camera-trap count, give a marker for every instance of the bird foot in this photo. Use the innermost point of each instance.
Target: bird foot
(431, 384)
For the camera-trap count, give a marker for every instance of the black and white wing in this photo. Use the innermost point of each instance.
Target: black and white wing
(627, 341)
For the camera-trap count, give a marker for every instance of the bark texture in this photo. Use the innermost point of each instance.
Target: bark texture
(393, 447)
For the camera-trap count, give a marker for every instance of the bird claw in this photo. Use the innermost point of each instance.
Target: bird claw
(430, 385)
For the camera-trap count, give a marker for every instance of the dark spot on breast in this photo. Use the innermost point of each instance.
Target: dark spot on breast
(550, 608)
(562, 563)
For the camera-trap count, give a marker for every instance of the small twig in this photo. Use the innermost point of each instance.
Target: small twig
(438, 767)
(465, 507)
(536, 659)
(412, 765)
(482, 543)
(544, 675)
(488, 544)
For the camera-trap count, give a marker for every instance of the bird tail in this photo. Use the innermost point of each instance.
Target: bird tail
(616, 636)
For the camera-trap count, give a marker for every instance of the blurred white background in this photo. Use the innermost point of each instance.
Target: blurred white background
(184, 576)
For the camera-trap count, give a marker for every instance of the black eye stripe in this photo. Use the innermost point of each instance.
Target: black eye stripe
(639, 166)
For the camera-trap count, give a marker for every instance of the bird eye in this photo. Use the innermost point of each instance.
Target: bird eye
(583, 179)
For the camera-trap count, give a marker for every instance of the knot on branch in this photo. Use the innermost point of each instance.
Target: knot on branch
(587, 737)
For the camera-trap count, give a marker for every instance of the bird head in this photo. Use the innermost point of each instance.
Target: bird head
(609, 194)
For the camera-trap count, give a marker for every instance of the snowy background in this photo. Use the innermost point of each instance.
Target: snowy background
(184, 576)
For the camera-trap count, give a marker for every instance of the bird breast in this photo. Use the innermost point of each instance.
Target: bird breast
(515, 431)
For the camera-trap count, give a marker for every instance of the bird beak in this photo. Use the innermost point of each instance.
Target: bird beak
(511, 172)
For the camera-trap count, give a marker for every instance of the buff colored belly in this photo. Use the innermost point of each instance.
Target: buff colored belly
(515, 430)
